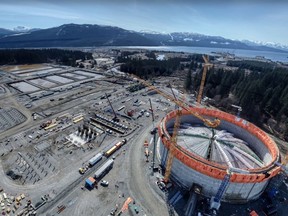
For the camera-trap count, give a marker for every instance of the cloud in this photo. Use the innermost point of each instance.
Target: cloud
(207, 2)
(55, 14)
(39, 11)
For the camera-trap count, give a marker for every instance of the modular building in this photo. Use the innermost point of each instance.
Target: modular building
(104, 169)
(90, 183)
(95, 159)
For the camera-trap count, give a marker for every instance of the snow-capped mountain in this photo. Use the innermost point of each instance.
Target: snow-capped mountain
(267, 44)
(71, 35)
(150, 32)
(21, 29)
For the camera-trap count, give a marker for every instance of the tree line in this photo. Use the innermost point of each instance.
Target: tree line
(262, 92)
(34, 56)
(151, 67)
(260, 88)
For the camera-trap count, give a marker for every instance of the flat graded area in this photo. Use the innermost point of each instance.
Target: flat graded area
(59, 79)
(23, 67)
(42, 82)
(9, 117)
(38, 157)
(73, 75)
(24, 87)
(66, 119)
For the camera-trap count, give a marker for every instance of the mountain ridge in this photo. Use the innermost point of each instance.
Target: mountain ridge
(80, 35)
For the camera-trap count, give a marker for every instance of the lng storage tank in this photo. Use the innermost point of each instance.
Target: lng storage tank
(204, 155)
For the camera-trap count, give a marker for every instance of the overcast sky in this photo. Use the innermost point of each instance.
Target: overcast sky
(258, 20)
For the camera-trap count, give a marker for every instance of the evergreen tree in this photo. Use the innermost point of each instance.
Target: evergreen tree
(188, 81)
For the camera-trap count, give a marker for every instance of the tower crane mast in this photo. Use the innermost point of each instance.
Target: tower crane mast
(207, 65)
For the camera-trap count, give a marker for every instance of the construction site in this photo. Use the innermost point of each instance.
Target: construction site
(87, 142)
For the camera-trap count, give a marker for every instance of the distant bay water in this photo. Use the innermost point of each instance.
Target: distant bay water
(274, 56)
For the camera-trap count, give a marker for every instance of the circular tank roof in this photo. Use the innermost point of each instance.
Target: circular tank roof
(236, 144)
(216, 145)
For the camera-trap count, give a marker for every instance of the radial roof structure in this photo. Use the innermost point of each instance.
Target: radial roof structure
(218, 146)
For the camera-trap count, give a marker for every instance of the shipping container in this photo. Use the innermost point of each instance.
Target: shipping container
(114, 148)
(77, 120)
(104, 169)
(111, 151)
(95, 159)
(90, 183)
(50, 126)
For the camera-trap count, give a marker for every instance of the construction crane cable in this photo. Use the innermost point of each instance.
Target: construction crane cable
(207, 122)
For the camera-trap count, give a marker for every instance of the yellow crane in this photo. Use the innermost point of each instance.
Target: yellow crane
(173, 143)
(213, 124)
(207, 65)
(183, 106)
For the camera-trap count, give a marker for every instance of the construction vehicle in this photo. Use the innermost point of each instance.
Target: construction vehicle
(130, 113)
(215, 201)
(146, 150)
(207, 65)
(115, 119)
(82, 170)
(46, 124)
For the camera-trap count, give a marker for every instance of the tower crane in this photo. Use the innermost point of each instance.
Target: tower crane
(181, 106)
(207, 65)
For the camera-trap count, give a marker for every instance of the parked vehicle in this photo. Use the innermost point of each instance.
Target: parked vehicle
(82, 170)
(104, 183)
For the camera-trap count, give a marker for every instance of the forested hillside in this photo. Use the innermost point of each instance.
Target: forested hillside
(261, 91)
(28, 56)
(260, 88)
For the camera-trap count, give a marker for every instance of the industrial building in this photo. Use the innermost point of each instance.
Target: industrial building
(203, 155)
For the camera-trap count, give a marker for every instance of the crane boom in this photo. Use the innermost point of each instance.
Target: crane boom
(115, 116)
(205, 69)
(199, 97)
(181, 104)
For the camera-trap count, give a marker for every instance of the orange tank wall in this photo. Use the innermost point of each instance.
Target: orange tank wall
(216, 170)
